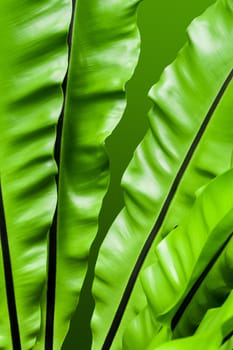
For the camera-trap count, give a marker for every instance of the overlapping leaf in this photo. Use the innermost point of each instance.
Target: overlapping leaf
(187, 251)
(105, 49)
(141, 331)
(228, 345)
(33, 66)
(185, 255)
(211, 293)
(215, 326)
(188, 144)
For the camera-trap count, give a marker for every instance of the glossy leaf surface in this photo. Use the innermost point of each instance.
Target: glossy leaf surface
(105, 49)
(141, 331)
(185, 253)
(181, 258)
(188, 144)
(34, 42)
(211, 293)
(210, 334)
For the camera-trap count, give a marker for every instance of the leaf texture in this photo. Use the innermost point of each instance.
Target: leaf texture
(34, 43)
(185, 253)
(210, 334)
(188, 144)
(105, 49)
(211, 293)
(180, 260)
(141, 330)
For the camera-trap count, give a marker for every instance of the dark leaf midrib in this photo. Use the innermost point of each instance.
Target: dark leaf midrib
(142, 256)
(187, 300)
(9, 279)
(52, 251)
(227, 337)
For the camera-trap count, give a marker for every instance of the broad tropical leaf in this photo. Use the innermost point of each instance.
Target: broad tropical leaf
(214, 328)
(188, 144)
(141, 331)
(31, 103)
(105, 48)
(185, 253)
(33, 66)
(211, 293)
(182, 262)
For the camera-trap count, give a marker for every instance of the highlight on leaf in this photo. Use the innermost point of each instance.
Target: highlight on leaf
(163, 277)
(210, 335)
(63, 92)
(188, 144)
(190, 259)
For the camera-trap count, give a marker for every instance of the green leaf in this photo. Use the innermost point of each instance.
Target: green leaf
(180, 260)
(216, 325)
(211, 293)
(32, 69)
(105, 49)
(188, 144)
(141, 330)
(228, 345)
(183, 256)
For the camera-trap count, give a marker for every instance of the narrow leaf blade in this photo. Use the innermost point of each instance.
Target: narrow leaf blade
(105, 48)
(37, 61)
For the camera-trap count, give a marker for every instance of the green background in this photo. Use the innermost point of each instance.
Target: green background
(163, 32)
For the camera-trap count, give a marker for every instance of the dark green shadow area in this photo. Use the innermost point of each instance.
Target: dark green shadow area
(163, 32)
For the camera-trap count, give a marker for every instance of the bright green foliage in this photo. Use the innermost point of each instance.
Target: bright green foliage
(215, 326)
(181, 102)
(228, 345)
(211, 293)
(94, 103)
(31, 102)
(105, 48)
(73, 63)
(141, 330)
(181, 257)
